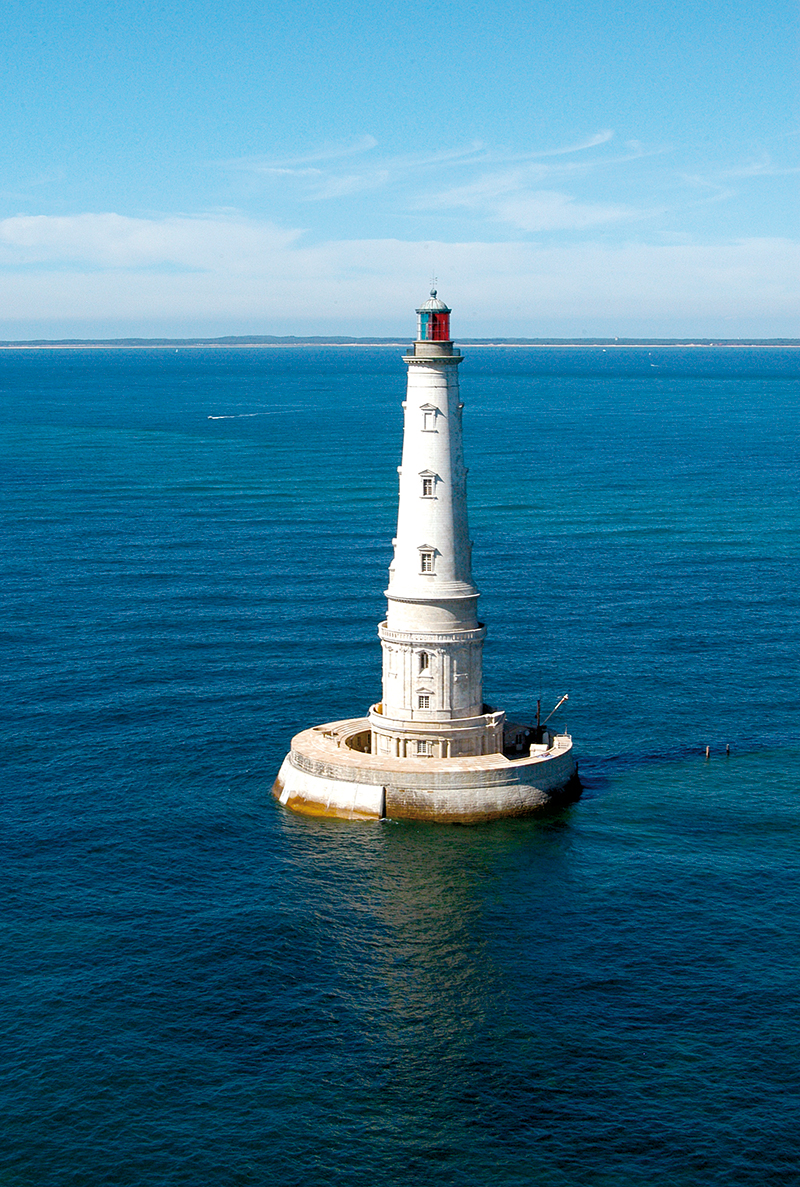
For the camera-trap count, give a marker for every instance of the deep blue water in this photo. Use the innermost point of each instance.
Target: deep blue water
(201, 989)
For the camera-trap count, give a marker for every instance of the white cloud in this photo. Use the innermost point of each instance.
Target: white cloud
(506, 196)
(224, 275)
(549, 210)
(113, 241)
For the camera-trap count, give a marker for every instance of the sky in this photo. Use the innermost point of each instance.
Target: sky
(561, 167)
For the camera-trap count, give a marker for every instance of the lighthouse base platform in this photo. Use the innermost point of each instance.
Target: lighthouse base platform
(329, 772)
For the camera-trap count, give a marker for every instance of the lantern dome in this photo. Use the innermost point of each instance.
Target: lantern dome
(434, 305)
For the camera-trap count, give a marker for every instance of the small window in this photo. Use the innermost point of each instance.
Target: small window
(427, 487)
(424, 700)
(429, 420)
(426, 562)
(424, 747)
(424, 661)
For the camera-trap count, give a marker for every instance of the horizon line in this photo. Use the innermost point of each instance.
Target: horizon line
(252, 340)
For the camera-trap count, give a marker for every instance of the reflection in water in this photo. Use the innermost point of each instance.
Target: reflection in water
(434, 969)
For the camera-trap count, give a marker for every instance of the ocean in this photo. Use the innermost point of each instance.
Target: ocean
(202, 989)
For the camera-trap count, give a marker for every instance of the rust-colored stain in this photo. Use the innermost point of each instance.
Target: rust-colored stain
(310, 808)
(315, 808)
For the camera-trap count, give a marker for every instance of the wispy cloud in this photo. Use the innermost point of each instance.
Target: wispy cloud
(591, 142)
(327, 173)
(718, 181)
(476, 151)
(714, 192)
(351, 183)
(486, 188)
(297, 165)
(763, 168)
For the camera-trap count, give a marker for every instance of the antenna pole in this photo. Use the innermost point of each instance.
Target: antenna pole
(558, 706)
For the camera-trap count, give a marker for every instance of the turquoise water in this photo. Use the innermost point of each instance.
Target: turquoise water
(201, 989)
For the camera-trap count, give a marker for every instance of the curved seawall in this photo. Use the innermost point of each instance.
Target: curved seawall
(322, 776)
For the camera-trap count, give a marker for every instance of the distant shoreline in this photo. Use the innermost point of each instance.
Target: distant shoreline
(399, 343)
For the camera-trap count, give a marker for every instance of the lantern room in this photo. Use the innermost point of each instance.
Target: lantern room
(433, 320)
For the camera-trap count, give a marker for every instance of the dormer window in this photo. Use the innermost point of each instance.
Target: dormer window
(428, 480)
(429, 414)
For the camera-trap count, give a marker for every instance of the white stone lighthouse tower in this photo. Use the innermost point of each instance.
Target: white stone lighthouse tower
(432, 704)
(430, 749)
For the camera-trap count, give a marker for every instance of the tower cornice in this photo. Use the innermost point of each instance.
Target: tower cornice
(443, 591)
(432, 637)
(433, 359)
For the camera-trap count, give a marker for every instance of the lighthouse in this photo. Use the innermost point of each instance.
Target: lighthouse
(432, 705)
(430, 748)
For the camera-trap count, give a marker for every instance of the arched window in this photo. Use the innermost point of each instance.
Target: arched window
(424, 660)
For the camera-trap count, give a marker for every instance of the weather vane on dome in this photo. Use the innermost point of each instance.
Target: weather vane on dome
(433, 286)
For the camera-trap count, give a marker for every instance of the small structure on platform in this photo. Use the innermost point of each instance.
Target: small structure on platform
(430, 749)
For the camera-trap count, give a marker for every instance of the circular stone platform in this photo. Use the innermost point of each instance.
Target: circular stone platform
(328, 773)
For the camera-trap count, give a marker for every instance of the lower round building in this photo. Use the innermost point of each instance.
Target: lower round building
(328, 773)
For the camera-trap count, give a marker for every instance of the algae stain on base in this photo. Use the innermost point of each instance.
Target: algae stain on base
(431, 749)
(324, 795)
